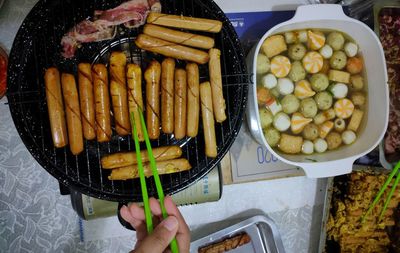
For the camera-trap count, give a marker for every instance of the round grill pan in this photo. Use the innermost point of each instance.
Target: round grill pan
(37, 47)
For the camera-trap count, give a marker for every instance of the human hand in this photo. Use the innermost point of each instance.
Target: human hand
(165, 230)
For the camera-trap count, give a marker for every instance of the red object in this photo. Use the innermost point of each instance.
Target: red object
(389, 27)
(132, 13)
(3, 72)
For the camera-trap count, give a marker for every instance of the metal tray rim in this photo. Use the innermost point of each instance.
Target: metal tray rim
(239, 227)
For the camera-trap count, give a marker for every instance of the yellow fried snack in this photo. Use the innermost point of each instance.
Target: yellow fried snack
(290, 144)
(303, 89)
(313, 62)
(274, 45)
(355, 120)
(325, 128)
(280, 66)
(339, 76)
(344, 108)
(315, 40)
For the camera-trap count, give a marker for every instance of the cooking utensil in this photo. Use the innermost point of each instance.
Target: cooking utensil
(37, 46)
(340, 161)
(153, 166)
(381, 191)
(146, 204)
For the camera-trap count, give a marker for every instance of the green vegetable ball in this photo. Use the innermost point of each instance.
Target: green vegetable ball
(290, 104)
(297, 51)
(338, 60)
(266, 117)
(297, 72)
(319, 82)
(308, 108)
(273, 136)
(335, 40)
(263, 64)
(324, 100)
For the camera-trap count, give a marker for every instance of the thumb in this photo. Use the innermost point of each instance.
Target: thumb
(162, 235)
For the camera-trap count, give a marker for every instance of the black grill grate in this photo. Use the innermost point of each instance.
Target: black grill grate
(36, 47)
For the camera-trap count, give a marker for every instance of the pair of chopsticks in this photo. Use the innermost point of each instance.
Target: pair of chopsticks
(160, 192)
(381, 191)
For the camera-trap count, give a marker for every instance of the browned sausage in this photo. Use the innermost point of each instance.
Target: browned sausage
(171, 49)
(167, 95)
(102, 102)
(219, 105)
(74, 123)
(193, 99)
(119, 94)
(152, 76)
(180, 104)
(55, 106)
(184, 38)
(122, 159)
(208, 119)
(179, 21)
(86, 100)
(163, 167)
(135, 98)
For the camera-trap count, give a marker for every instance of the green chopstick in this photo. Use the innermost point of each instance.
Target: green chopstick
(389, 197)
(145, 196)
(381, 191)
(153, 166)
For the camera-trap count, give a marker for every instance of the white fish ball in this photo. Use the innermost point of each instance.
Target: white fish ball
(320, 145)
(281, 122)
(351, 49)
(285, 86)
(269, 81)
(307, 147)
(326, 51)
(348, 137)
(339, 90)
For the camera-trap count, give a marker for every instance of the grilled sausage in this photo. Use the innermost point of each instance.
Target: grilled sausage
(184, 38)
(214, 65)
(119, 93)
(208, 119)
(167, 95)
(163, 167)
(74, 123)
(55, 107)
(180, 104)
(152, 76)
(135, 98)
(86, 100)
(227, 244)
(102, 102)
(123, 159)
(193, 99)
(171, 49)
(178, 21)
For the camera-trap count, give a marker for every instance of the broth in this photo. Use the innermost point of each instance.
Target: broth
(275, 93)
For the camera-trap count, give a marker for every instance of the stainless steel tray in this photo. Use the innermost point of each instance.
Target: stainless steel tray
(262, 230)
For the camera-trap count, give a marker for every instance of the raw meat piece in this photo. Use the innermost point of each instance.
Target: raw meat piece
(389, 31)
(132, 14)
